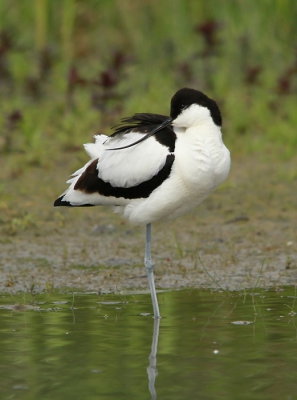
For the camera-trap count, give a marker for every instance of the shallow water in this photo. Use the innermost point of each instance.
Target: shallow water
(209, 345)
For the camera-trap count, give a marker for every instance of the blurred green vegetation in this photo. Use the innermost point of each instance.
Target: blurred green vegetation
(72, 68)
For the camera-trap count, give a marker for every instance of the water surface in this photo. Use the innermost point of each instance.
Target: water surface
(208, 345)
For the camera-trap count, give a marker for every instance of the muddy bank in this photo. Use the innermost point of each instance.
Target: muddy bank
(245, 234)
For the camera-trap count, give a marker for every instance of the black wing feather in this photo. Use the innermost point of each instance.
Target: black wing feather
(145, 123)
(142, 121)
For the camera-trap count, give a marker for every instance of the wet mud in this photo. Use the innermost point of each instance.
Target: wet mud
(244, 235)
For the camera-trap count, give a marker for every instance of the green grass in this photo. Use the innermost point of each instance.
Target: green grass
(161, 52)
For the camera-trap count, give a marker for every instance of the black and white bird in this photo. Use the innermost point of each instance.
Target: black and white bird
(153, 167)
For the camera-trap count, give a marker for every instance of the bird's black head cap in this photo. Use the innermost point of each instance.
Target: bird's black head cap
(186, 97)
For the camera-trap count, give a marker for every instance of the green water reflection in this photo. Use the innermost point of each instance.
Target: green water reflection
(81, 346)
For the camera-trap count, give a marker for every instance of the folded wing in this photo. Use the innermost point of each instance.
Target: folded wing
(114, 177)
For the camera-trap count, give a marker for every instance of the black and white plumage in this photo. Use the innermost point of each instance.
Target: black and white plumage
(155, 167)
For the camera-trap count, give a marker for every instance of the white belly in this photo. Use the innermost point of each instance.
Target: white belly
(200, 166)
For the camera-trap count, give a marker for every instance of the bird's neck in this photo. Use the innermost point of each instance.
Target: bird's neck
(200, 129)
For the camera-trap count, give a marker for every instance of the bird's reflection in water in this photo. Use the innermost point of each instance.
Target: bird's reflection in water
(152, 368)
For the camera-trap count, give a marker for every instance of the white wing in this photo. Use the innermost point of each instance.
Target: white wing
(128, 167)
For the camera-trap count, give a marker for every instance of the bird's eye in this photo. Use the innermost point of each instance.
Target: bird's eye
(183, 107)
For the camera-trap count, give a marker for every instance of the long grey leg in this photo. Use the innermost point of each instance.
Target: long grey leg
(149, 265)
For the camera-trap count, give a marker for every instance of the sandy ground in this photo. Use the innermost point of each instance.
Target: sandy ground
(244, 235)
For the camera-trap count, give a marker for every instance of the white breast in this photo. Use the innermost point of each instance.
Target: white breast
(202, 158)
(202, 163)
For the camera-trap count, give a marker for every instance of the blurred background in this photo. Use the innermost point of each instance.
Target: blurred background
(70, 69)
